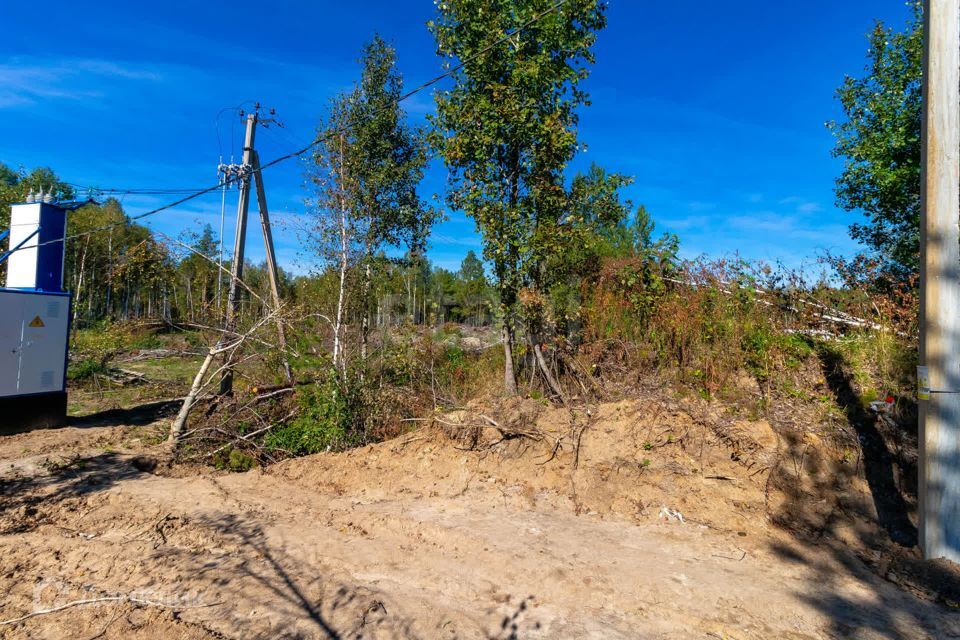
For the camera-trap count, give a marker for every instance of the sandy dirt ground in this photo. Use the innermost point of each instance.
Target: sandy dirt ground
(653, 527)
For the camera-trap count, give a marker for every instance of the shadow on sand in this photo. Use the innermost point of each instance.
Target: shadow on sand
(866, 534)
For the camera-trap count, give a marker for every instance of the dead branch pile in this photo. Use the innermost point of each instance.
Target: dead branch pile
(238, 422)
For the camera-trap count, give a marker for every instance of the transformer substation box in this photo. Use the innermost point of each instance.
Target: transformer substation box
(34, 320)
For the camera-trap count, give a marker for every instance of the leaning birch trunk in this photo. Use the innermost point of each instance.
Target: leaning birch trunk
(542, 363)
(178, 426)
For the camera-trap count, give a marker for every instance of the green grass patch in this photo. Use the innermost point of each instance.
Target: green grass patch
(86, 369)
(234, 460)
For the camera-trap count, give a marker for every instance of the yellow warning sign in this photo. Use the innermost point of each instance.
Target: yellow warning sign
(37, 323)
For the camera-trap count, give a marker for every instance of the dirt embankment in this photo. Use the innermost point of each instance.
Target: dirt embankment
(643, 518)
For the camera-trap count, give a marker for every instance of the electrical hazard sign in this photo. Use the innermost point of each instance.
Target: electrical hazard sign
(36, 323)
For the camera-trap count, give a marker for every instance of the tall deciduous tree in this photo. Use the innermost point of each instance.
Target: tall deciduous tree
(199, 273)
(473, 287)
(367, 171)
(508, 127)
(880, 142)
(387, 160)
(115, 267)
(16, 184)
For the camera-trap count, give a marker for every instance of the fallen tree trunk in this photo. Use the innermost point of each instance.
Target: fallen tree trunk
(178, 426)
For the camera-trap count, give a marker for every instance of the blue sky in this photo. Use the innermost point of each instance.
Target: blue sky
(716, 108)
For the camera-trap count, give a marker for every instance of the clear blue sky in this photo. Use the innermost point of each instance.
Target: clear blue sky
(716, 108)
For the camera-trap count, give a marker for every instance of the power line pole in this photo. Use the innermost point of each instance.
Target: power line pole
(239, 245)
(271, 258)
(251, 168)
(939, 372)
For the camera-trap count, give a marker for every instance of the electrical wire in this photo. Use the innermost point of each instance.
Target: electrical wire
(232, 123)
(321, 139)
(280, 139)
(145, 191)
(429, 83)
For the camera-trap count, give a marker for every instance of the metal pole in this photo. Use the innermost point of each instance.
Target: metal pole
(271, 259)
(239, 244)
(940, 285)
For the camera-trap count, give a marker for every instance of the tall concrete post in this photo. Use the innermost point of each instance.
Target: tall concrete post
(239, 245)
(940, 285)
(272, 270)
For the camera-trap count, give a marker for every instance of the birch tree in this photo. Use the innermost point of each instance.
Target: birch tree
(365, 176)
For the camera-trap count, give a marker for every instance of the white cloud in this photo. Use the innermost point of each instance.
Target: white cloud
(25, 81)
(111, 69)
(802, 205)
(465, 241)
(697, 205)
(682, 223)
(809, 207)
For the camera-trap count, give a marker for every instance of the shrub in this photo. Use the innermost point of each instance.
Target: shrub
(329, 419)
(234, 460)
(708, 321)
(85, 369)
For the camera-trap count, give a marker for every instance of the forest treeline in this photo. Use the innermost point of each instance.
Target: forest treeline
(132, 272)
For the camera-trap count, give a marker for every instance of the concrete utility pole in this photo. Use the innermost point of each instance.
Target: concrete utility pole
(271, 258)
(251, 169)
(239, 244)
(939, 374)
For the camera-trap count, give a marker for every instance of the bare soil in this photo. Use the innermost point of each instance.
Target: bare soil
(637, 519)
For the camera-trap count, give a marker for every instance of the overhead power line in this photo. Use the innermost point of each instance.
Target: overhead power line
(319, 140)
(429, 83)
(145, 191)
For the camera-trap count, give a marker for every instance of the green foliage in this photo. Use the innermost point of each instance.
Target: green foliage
(118, 271)
(472, 290)
(86, 369)
(602, 220)
(880, 142)
(702, 320)
(507, 128)
(385, 159)
(767, 349)
(234, 460)
(598, 226)
(367, 171)
(400, 366)
(198, 272)
(146, 340)
(881, 362)
(102, 339)
(327, 420)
